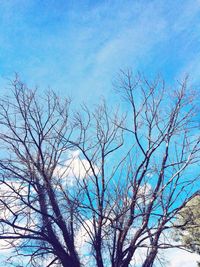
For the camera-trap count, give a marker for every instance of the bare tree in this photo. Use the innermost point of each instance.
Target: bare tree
(31, 145)
(117, 180)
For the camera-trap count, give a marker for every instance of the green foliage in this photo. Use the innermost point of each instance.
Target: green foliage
(189, 222)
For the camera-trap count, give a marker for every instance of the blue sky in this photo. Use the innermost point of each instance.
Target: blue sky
(78, 47)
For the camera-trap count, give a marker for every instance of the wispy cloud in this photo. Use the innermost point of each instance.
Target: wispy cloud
(78, 47)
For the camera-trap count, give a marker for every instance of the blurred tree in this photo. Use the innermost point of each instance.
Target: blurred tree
(189, 222)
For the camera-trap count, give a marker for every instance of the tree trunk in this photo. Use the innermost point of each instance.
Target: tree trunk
(99, 260)
(150, 258)
(69, 261)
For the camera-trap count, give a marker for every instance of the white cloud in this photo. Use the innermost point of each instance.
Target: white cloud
(82, 242)
(75, 168)
(180, 258)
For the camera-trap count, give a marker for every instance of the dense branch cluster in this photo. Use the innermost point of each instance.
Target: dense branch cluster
(96, 187)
